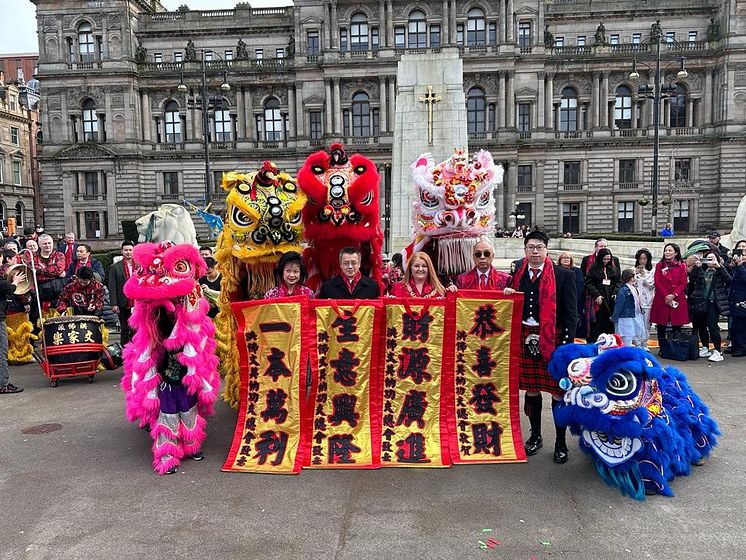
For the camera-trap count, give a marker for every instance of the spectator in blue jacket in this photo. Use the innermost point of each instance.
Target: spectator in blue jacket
(667, 231)
(628, 319)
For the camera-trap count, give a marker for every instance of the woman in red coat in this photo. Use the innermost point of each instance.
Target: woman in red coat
(420, 279)
(669, 303)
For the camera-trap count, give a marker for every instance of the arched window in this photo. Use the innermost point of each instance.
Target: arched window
(361, 114)
(417, 30)
(569, 109)
(20, 215)
(359, 32)
(223, 125)
(90, 121)
(475, 110)
(677, 113)
(173, 122)
(623, 107)
(475, 28)
(85, 42)
(272, 120)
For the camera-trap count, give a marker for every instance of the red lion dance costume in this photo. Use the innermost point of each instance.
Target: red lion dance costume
(170, 369)
(342, 211)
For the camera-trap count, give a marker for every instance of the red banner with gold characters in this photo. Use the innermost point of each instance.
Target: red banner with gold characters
(271, 435)
(416, 368)
(484, 332)
(346, 388)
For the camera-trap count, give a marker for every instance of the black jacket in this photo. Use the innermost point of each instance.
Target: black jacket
(695, 289)
(117, 278)
(6, 291)
(335, 288)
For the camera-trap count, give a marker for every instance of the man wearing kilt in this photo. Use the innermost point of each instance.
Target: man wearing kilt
(550, 315)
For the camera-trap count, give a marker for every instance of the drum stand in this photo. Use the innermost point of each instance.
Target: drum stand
(32, 265)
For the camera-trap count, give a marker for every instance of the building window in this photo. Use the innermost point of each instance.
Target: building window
(626, 217)
(90, 121)
(280, 53)
(460, 34)
(636, 38)
(524, 34)
(343, 39)
(525, 177)
(15, 137)
(2, 212)
(559, 41)
(90, 183)
(316, 131)
(571, 217)
(670, 36)
(17, 172)
(272, 120)
(399, 37)
(475, 110)
(580, 41)
(2, 170)
(223, 124)
(614, 39)
(492, 33)
(571, 173)
(692, 36)
(345, 122)
(157, 57)
(569, 109)
(312, 41)
(682, 170)
(434, 36)
(375, 117)
(178, 56)
(524, 117)
(374, 39)
(13, 102)
(627, 171)
(86, 45)
(359, 32)
(360, 115)
(208, 56)
(417, 30)
(20, 214)
(681, 215)
(259, 54)
(173, 122)
(623, 107)
(228, 55)
(171, 183)
(677, 113)
(475, 28)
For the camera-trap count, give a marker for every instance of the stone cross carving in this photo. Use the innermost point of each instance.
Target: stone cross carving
(430, 98)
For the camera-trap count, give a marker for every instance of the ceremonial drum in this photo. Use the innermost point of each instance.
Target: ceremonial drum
(70, 339)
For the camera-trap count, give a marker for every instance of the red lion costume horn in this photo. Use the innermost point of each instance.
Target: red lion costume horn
(342, 211)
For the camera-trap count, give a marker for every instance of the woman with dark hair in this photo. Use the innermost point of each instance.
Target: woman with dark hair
(601, 284)
(645, 284)
(707, 293)
(289, 275)
(669, 303)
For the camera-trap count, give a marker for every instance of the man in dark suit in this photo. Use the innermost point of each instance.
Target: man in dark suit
(69, 248)
(351, 284)
(119, 273)
(550, 316)
(84, 258)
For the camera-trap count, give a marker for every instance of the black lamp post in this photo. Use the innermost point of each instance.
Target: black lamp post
(225, 86)
(657, 90)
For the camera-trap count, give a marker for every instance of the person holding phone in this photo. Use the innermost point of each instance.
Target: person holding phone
(707, 292)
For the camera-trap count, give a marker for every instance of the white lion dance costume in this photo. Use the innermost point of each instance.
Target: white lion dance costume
(170, 368)
(453, 208)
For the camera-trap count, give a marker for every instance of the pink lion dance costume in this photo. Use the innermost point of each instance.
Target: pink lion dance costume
(170, 368)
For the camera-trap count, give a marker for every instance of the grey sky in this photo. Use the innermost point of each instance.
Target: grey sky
(18, 19)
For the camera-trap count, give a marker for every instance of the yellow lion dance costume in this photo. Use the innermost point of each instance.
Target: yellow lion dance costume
(263, 221)
(20, 335)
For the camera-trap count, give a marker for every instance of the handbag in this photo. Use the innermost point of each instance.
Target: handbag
(681, 346)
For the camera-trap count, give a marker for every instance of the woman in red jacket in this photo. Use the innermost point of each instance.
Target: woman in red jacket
(669, 303)
(420, 279)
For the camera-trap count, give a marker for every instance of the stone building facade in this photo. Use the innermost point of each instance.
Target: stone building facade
(547, 87)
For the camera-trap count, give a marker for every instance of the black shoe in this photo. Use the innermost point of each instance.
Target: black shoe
(727, 350)
(198, 456)
(533, 444)
(172, 470)
(736, 353)
(561, 455)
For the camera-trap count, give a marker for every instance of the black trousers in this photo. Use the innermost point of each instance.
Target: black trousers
(707, 327)
(124, 317)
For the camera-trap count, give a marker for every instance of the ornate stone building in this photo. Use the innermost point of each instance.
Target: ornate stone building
(547, 85)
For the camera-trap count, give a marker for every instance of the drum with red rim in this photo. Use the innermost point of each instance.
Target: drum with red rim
(77, 338)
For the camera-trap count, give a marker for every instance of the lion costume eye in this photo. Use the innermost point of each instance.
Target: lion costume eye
(317, 169)
(240, 219)
(484, 200)
(182, 267)
(622, 384)
(428, 200)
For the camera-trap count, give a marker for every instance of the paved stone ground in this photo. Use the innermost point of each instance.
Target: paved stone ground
(86, 491)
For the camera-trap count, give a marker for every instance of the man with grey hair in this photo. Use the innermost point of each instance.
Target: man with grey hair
(483, 276)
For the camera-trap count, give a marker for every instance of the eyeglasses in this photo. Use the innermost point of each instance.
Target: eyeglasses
(480, 254)
(535, 247)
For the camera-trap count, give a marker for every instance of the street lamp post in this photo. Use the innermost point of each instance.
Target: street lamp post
(225, 86)
(634, 75)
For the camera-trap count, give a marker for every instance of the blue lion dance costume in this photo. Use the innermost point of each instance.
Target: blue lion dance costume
(641, 423)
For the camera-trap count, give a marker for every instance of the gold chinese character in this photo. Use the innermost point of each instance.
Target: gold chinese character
(88, 336)
(73, 337)
(57, 338)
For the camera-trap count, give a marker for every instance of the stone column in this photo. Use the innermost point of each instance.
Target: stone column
(392, 100)
(501, 100)
(251, 122)
(382, 23)
(707, 105)
(240, 115)
(328, 105)
(389, 24)
(604, 103)
(337, 108)
(689, 111)
(291, 111)
(501, 22)
(326, 26)
(300, 117)
(594, 100)
(383, 106)
(146, 116)
(633, 115)
(549, 100)
(539, 182)
(444, 27)
(452, 19)
(509, 22)
(540, 102)
(335, 26)
(510, 101)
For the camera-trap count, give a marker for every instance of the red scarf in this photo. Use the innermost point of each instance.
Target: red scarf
(351, 285)
(69, 254)
(547, 303)
(589, 262)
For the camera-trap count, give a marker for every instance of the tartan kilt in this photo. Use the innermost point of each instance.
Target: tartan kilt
(532, 373)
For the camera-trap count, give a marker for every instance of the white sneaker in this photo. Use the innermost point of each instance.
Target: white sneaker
(715, 356)
(704, 352)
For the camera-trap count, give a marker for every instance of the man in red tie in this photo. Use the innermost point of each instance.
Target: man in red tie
(68, 248)
(119, 273)
(483, 276)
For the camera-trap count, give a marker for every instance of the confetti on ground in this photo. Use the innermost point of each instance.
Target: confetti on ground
(546, 543)
(492, 543)
(486, 530)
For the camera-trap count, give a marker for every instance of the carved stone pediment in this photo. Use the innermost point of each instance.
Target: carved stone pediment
(85, 151)
(350, 87)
